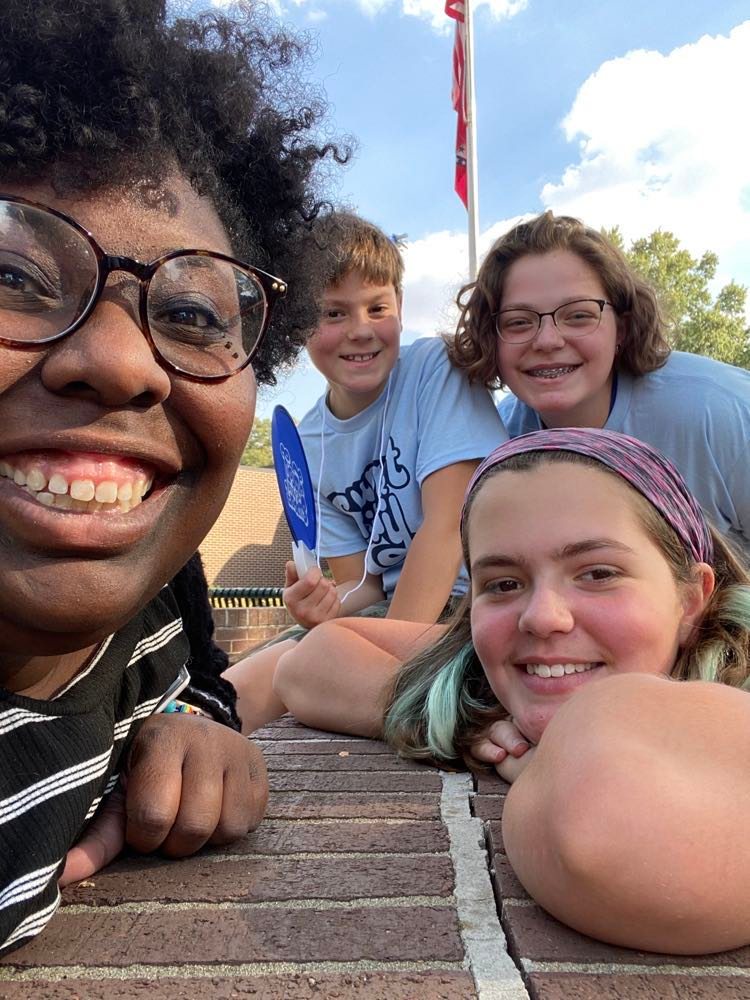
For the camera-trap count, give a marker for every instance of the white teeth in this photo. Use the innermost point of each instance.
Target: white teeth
(558, 669)
(82, 489)
(106, 492)
(553, 372)
(80, 494)
(57, 484)
(36, 480)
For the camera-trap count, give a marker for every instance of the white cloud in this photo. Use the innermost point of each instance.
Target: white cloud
(435, 268)
(663, 144)
(432, 11)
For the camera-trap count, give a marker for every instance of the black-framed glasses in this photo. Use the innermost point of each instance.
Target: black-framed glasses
(572, 319)
(203, 313)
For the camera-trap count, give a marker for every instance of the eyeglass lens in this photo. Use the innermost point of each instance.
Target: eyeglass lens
(205, 315)
(574, 319)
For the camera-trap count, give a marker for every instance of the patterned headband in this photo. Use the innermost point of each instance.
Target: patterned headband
(646, 469)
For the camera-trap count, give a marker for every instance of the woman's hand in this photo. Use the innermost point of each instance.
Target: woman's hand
(192, 781)
(504, 746)
(102, 841)
(311, 600)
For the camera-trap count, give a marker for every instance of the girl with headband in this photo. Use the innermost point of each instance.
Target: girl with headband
(595, 580)
(559, 317)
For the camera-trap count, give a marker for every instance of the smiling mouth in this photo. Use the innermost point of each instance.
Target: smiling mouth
(552, 372)
(360, 357)
(557, 669)
(80, 483)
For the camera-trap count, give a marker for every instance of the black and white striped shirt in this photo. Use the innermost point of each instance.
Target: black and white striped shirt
(58, 758)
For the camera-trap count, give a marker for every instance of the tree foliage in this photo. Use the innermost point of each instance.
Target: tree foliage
(698, 320)
(258, 448)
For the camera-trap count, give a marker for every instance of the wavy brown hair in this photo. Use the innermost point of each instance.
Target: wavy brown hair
(474, 348)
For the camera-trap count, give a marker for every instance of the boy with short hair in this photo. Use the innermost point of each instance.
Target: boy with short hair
(391, 446)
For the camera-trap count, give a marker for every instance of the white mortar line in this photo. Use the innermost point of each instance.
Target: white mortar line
(58, 973)
(314, 903)
(496, 976)
(620, 969)
(322, 856)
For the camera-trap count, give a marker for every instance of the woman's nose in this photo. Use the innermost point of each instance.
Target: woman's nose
(548, 337)
(546, 611)
(108, 359)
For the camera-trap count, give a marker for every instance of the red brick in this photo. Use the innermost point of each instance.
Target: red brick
(495, 837)
(115, 938)
(569, 986)
(298, 838)
(488, 806)
(287, 728)
(256, 879)
(535, 935)
(506, 880)
(330, 781)
(333, 745)
(233, 633)
(376, 805)
(490, 783)
(362, 986)
(349, 762)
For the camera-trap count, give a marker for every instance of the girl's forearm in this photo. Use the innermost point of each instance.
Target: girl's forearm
(639, 796)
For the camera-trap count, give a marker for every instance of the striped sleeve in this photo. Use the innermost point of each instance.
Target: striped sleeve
(61, 757)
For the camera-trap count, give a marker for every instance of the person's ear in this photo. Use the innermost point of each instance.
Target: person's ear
(622, 328)
(400, 302)
(696, 596)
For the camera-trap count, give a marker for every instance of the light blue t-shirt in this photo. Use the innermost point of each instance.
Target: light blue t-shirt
(696, 411)
(429, 418)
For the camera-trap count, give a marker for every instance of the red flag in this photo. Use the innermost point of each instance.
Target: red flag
(455, 9)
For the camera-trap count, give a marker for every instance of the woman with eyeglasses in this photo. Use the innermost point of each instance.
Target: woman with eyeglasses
(152, 183)
(559, 317)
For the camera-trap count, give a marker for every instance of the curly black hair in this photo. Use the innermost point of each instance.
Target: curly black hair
(98, 93)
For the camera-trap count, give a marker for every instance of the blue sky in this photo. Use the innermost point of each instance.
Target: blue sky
(626, 112)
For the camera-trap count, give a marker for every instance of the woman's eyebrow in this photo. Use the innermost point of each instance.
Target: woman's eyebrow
(590, 545)
(566, 552)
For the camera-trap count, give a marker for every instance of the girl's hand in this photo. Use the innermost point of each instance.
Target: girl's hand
(311, 600)
(191, 781)
(504, 746)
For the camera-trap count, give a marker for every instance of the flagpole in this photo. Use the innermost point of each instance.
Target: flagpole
(472, 179)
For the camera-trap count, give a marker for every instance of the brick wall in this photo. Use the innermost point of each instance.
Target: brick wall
(239, 629)
(249, 544)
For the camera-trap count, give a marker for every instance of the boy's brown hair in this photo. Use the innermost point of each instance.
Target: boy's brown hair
(350, 243)
(644, 346)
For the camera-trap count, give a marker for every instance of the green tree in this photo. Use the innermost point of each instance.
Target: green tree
(698, 321)
(258, 448)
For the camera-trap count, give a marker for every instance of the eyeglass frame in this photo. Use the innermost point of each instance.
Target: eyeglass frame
(540, 316)
(273, 289)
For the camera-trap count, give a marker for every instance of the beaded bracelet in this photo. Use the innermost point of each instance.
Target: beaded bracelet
(183, 708)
